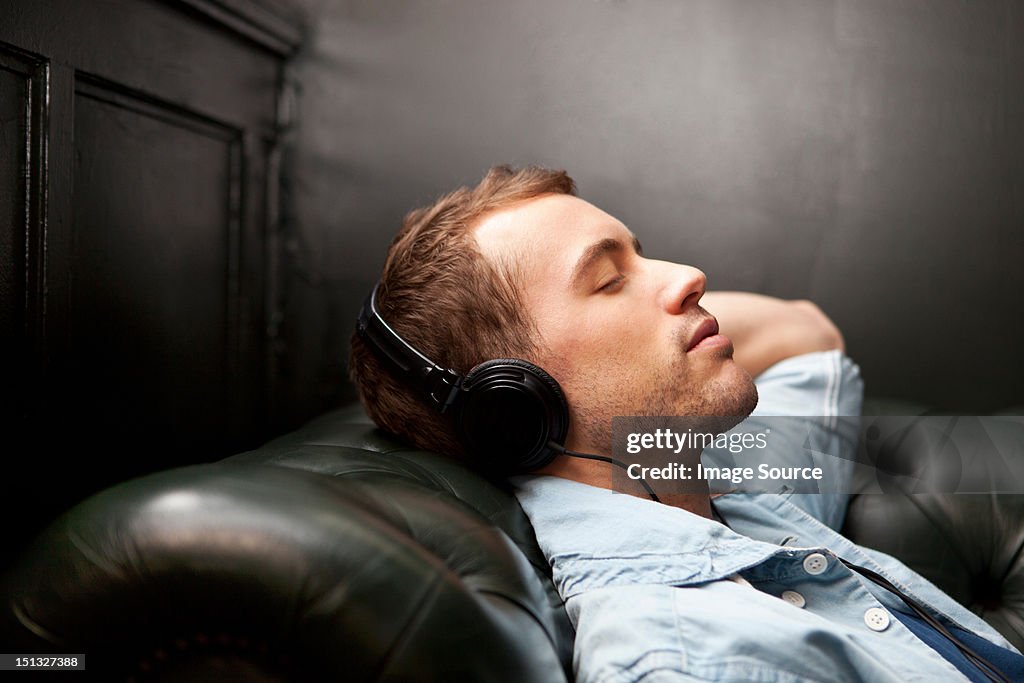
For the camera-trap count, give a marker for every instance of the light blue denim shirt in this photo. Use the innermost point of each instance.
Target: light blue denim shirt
(660, 594)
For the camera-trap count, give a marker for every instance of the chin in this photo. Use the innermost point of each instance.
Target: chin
(746, 394)
(729, 399)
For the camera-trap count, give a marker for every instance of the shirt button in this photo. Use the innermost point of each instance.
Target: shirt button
(794, 598)
(877, 619)
(815, 564)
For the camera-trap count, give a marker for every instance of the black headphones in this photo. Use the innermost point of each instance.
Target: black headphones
(507, 408)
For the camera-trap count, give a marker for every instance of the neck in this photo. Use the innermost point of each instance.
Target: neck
(607, 476)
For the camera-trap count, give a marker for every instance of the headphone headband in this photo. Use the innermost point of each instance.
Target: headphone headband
(439, 384)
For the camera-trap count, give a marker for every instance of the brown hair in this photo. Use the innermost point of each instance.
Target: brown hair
(446, 299)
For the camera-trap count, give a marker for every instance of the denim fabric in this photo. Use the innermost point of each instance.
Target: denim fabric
(660, 594)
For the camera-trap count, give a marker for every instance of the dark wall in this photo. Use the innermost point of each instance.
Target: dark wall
(868, 155)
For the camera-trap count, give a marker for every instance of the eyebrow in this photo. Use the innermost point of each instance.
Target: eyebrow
(595, 252)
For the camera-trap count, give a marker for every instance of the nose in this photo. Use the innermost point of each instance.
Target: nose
(683, 288)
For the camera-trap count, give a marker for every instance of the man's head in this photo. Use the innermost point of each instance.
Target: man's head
(448, 301)
(540, 274)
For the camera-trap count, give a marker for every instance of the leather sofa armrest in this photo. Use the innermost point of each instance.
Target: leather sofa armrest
(255, 572)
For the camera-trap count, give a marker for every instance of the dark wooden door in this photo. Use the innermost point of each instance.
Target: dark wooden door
(138, 147)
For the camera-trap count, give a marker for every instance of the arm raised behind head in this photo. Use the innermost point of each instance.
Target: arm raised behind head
(765, 330)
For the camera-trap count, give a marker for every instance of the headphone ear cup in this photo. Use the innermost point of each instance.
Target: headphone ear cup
(509, 411)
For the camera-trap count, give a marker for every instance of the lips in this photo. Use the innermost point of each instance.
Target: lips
(706, 329)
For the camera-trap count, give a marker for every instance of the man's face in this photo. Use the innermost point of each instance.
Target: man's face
(622, 334)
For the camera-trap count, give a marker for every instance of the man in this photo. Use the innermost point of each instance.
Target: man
(519, 267)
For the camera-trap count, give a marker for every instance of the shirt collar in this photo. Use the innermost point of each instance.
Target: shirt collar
(594, 538)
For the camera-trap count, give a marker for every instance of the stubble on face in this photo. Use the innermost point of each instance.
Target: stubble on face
(724, 400)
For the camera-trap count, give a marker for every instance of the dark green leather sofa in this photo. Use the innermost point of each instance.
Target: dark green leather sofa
(337, 554)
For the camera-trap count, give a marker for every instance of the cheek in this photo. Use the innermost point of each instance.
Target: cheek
(590, 351)
(590, 356)
(618, 338)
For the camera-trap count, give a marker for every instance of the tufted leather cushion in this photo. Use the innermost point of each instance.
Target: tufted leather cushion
(970, 545)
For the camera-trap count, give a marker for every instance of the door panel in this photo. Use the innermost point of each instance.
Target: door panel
(135, 229)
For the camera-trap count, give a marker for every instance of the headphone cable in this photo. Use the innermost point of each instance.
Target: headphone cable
(562, 450)
(988, 669)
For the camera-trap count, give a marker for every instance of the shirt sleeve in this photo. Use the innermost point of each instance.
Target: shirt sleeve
(820, 384)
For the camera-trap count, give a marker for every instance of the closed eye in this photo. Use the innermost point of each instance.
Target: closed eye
(613, 285)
